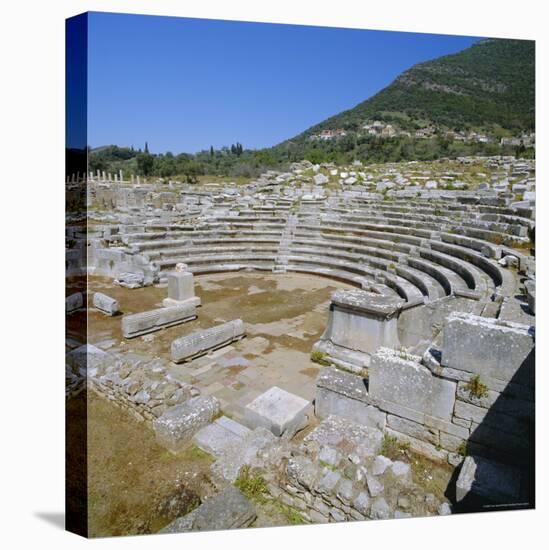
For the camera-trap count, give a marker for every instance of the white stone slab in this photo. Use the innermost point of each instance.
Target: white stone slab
(279, 411)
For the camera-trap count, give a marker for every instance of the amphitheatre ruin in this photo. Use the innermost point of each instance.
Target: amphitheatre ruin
(318, 345)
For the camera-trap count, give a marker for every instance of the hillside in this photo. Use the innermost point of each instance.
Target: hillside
(479, 101)
(489, 85)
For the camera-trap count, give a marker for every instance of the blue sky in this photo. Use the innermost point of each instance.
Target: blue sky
(185, 84)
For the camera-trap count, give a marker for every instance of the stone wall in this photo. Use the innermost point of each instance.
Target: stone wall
(338, 474)
(476, 394)
(131, 381)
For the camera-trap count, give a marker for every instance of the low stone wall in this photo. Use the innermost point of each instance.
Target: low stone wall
(474, 396)
(337, 474)
(135, 383)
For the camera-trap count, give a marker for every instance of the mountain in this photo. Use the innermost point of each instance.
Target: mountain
(487, 86)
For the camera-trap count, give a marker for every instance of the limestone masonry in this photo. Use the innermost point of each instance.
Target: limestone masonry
(427, 352)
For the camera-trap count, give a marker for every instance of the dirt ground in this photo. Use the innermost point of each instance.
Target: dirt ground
(136, 486)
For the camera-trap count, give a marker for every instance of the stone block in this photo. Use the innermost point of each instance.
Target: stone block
(450, 442)
(106, 304)
(156, 319)
(363, 321)
(328, 482)
(230, 509)
(359, 440)
(130, 280)
(406, 382)
(413, 429)
(74, 302)
(181, 289)
(176, 427)
(362, 503)
(488, 347)
(242, 452)
(380, 509)
(215, 437)
(203, 341)
(302, 472)
(279, 411)
(344, 394)
(480, 478)
(87, 358)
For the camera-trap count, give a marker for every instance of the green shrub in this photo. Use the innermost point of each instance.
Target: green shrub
(392, 448)
(252, 485)
(476, 388)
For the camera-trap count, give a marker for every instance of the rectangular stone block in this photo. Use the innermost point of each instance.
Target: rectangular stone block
(344, 394)
(176, 427)
(489, 347)
(229, 509)
(181, 289)
(363, 321)
(279, 411)
(105, 304)
(200, 342)
(180, 285)
(413, 429)
(483, 479)
(74, 302)
(398, 379)
(479, 415)
(156, 319)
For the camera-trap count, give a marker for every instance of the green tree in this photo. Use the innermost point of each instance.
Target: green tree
(145, 163)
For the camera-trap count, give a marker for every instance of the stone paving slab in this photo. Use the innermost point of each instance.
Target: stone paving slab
(278, 410)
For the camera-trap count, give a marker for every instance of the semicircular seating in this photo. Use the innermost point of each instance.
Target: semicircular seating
(420, 250)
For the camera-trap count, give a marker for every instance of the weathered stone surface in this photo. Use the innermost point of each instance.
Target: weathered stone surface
(488, 480)
(130, 280)
(200, 342)
(360, 440)
(279, 411)
(489, 347)
(320, 179)
(219, 435)
(375, 487)
(327, 483)
(242, 452)
(413, 429)
(302, 471)
(181, 289)
(345, 491)
(344, 394)
(402, 470)
(230, 509)
(156, 319)
(381, 463)
(380, 509)
(87, 358)
(444, 509)
(362, 503)
(74, 302)
(106, 304)
(330, 455)
(404, 381)
(363, 321)
(175, 428)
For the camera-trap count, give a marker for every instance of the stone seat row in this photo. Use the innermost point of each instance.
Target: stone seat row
(485, 230)
(454, 275)
(457, 255)
(481, 212)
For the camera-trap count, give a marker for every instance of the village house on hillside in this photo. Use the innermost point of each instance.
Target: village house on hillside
(327, 135)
